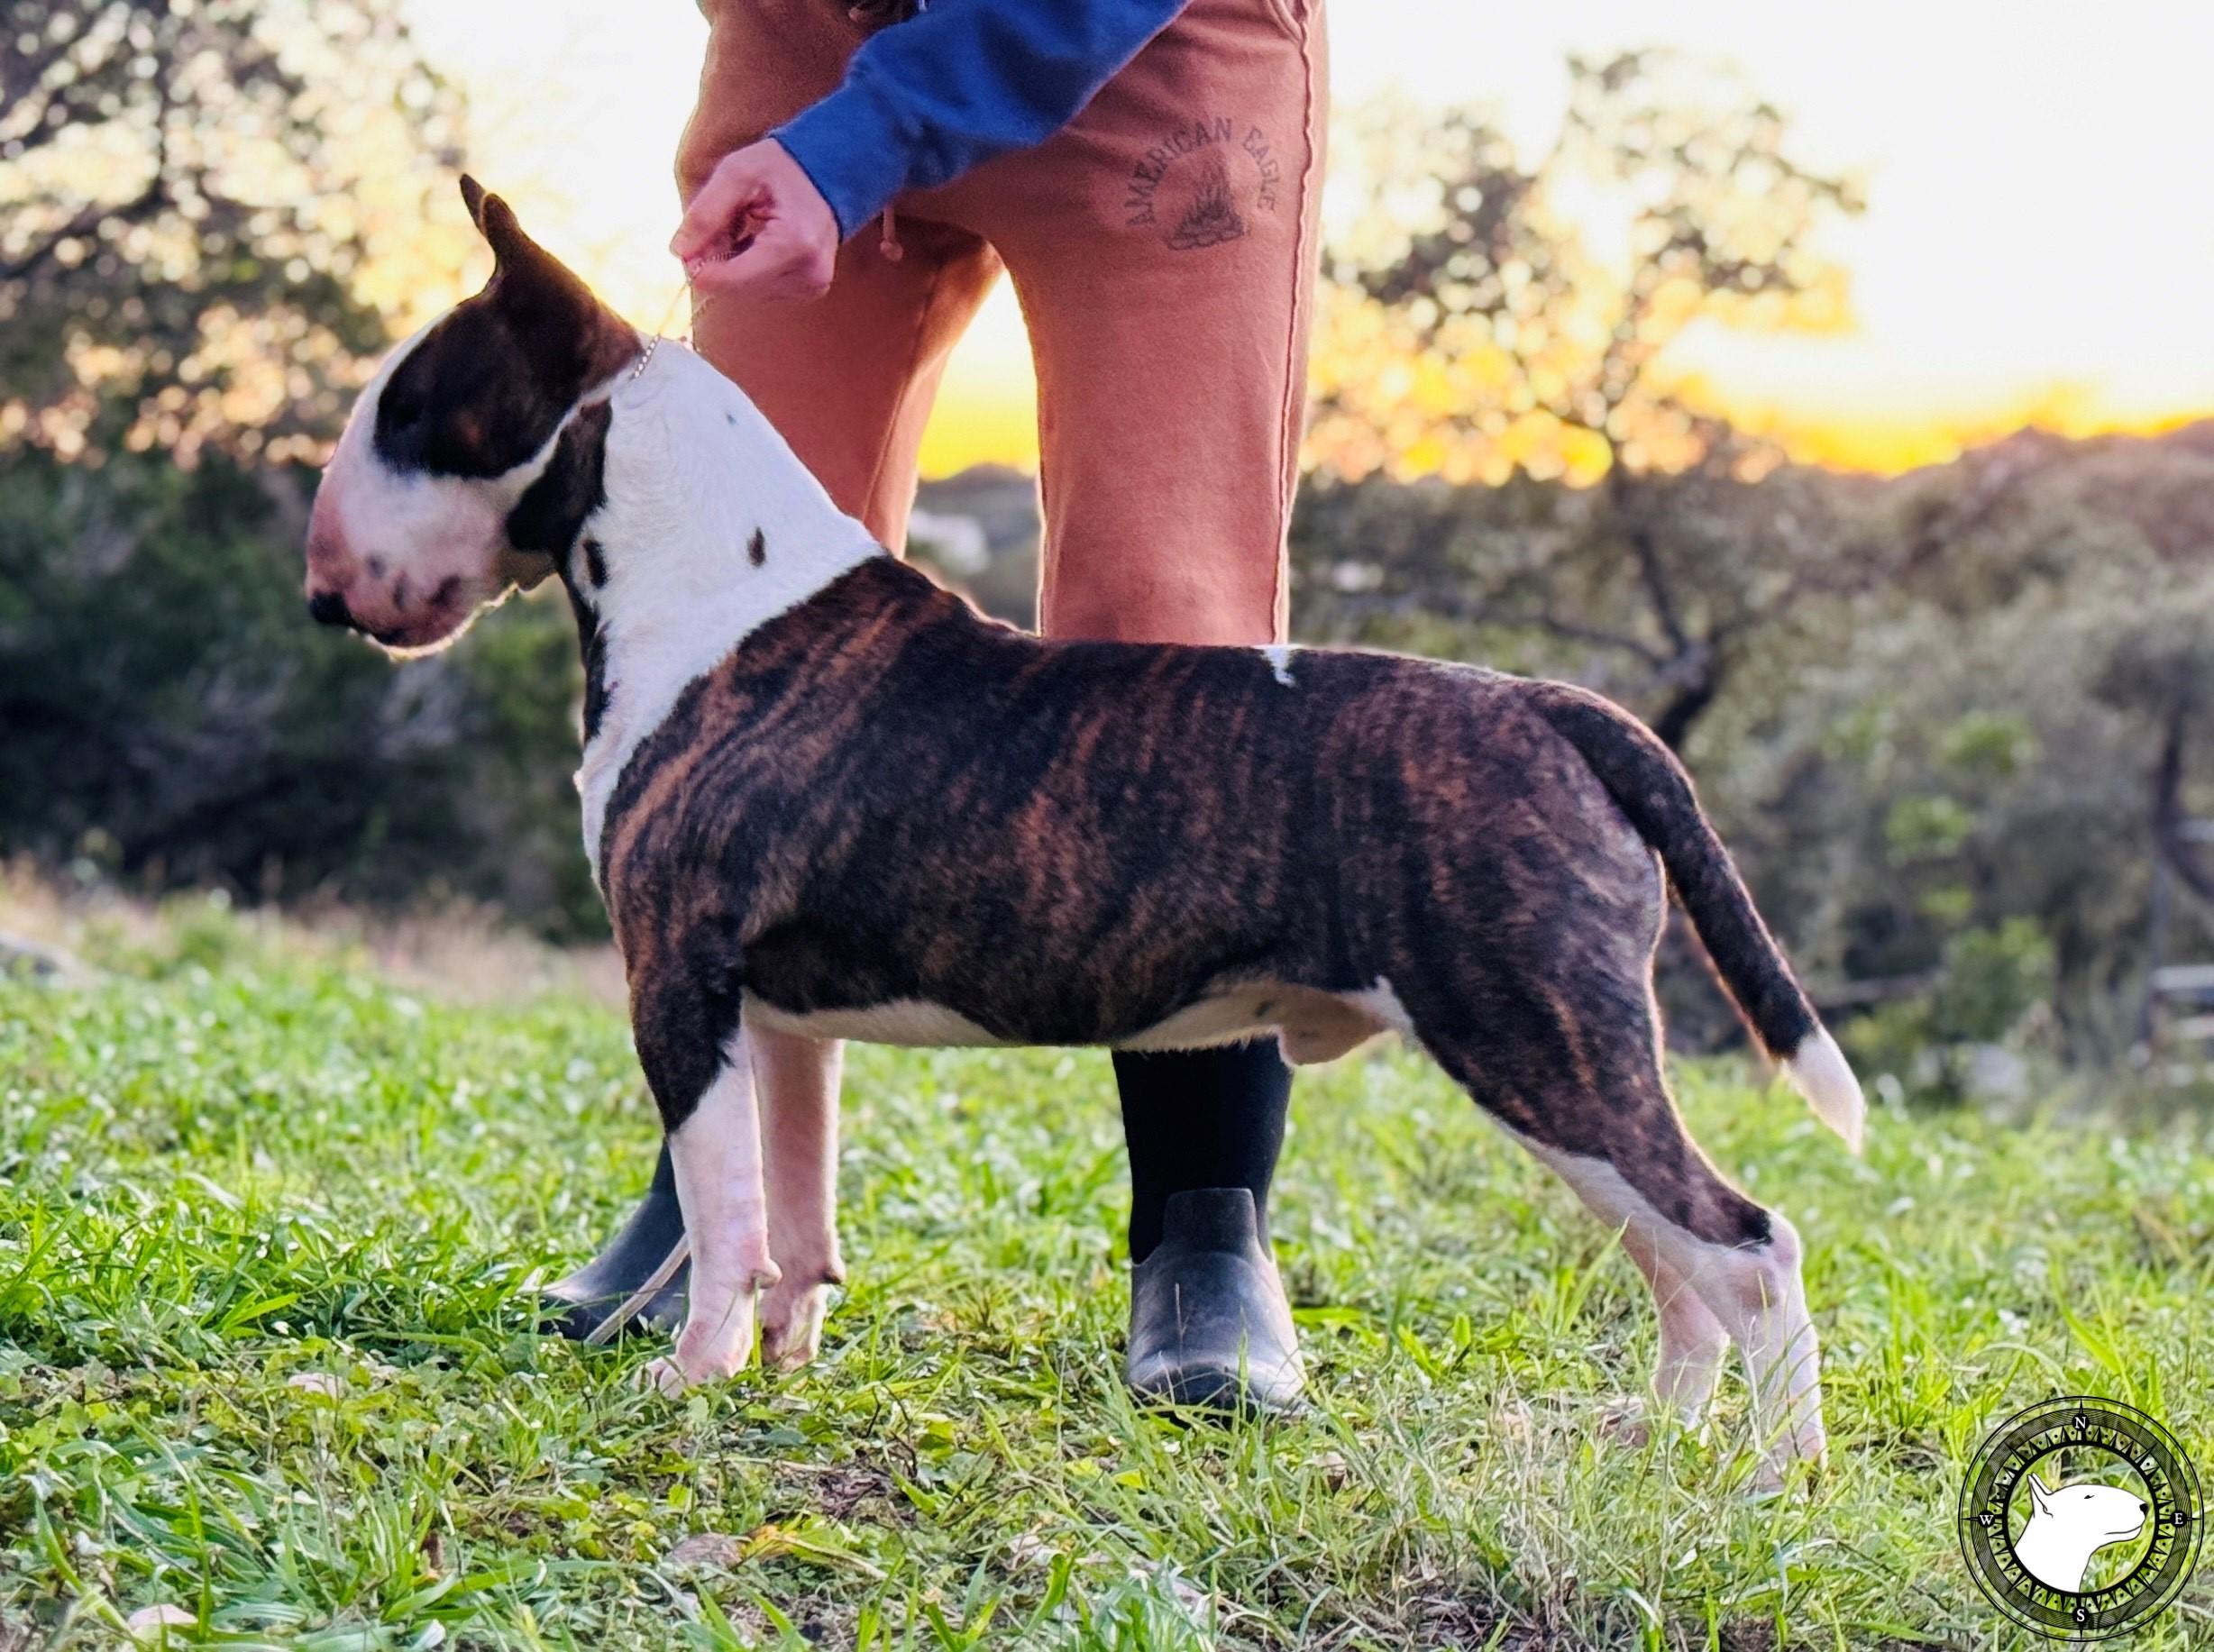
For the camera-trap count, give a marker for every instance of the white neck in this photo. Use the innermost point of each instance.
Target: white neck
(692, 473)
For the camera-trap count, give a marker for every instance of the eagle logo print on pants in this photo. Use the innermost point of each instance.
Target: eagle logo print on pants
(1200, 185)
(1212, 218)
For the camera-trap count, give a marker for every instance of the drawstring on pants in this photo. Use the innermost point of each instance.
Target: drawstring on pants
(873, 15)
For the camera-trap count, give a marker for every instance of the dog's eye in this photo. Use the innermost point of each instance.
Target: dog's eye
(401, 411)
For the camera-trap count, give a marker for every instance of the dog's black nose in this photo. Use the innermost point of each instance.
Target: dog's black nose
(2145, 1508)
(329, 609)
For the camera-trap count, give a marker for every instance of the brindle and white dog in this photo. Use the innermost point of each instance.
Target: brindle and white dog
(824, 798)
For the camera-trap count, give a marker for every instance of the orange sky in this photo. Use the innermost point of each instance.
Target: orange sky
(2039, 242)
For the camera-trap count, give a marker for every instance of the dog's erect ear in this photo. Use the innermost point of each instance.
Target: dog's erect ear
(548, 303)
(488, 384)
(497, 223)
(2040, 1499)
(511, 249)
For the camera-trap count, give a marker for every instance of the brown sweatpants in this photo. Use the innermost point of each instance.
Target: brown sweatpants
(1163, 247)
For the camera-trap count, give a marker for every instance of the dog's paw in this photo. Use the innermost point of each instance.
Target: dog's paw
(663, 1376)
(1799, 1464)
(791, 1317)
(706, 1353)
(1627, 1421)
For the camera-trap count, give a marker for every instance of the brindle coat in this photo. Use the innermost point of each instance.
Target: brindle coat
(882, 798)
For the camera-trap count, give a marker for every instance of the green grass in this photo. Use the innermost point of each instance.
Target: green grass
(245, 1162)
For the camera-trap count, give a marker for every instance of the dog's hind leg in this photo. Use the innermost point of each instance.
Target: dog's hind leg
(1573, 1069)
(798, 1080)
(698, 1064)
(1751, 1287)
(1692, 1340)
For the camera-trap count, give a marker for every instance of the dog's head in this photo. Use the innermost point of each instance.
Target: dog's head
(2096, 1514)
(416, 523)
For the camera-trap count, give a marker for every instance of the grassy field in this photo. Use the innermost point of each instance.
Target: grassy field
(269, 1222)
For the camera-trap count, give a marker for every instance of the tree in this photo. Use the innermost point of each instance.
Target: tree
(1536, 346)
(191, 194)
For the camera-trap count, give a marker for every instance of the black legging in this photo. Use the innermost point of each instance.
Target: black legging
(1200, 1119)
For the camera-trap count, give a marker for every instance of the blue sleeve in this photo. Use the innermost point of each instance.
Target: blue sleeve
(925, 100)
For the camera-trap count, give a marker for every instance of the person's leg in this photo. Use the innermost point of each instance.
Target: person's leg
(1200, 1119)
(848, 380)
(1163, 247)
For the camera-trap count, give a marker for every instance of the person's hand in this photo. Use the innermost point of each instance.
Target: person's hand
(759, 226)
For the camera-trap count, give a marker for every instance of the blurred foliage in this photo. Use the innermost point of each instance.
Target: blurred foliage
(169, 715)
(1989, 995)
(195, 197)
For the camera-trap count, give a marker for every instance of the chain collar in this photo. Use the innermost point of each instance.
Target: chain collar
(700, 309)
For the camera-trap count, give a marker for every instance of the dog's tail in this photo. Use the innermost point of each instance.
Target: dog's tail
(1650, 787)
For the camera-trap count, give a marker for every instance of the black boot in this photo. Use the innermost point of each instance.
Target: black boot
(580, 1304)
(1208, 1323)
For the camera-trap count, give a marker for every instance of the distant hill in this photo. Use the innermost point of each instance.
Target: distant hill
(977, 531)
(2165, 484)
(987, 516)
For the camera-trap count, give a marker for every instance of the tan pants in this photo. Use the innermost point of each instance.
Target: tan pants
(1163, 247)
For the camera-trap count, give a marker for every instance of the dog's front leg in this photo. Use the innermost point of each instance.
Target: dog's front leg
(716, 1151)
(798, 1080)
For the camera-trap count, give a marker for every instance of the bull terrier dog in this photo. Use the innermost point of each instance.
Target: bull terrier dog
(823, 799)
(2071, 1523)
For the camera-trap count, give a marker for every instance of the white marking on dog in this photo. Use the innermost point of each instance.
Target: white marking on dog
(1381, 1003)
(717, 1156)
(1279, 658)
(1754, 1291)
(1692, 1340)
(1819, 1071)
(1312, 1025)
(913, 1023)
(1228, 1015)
(2071, 1523)
(692, 471)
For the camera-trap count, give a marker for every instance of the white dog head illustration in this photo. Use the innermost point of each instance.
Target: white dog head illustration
(2069, 1523)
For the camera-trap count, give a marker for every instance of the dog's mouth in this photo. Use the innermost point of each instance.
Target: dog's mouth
(418, 636)
(442, 619)
(408, 641)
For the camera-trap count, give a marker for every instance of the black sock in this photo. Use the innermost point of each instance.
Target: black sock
(1199, 1118)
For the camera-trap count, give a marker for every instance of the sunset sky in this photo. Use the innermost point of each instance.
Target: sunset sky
(2039, 242)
